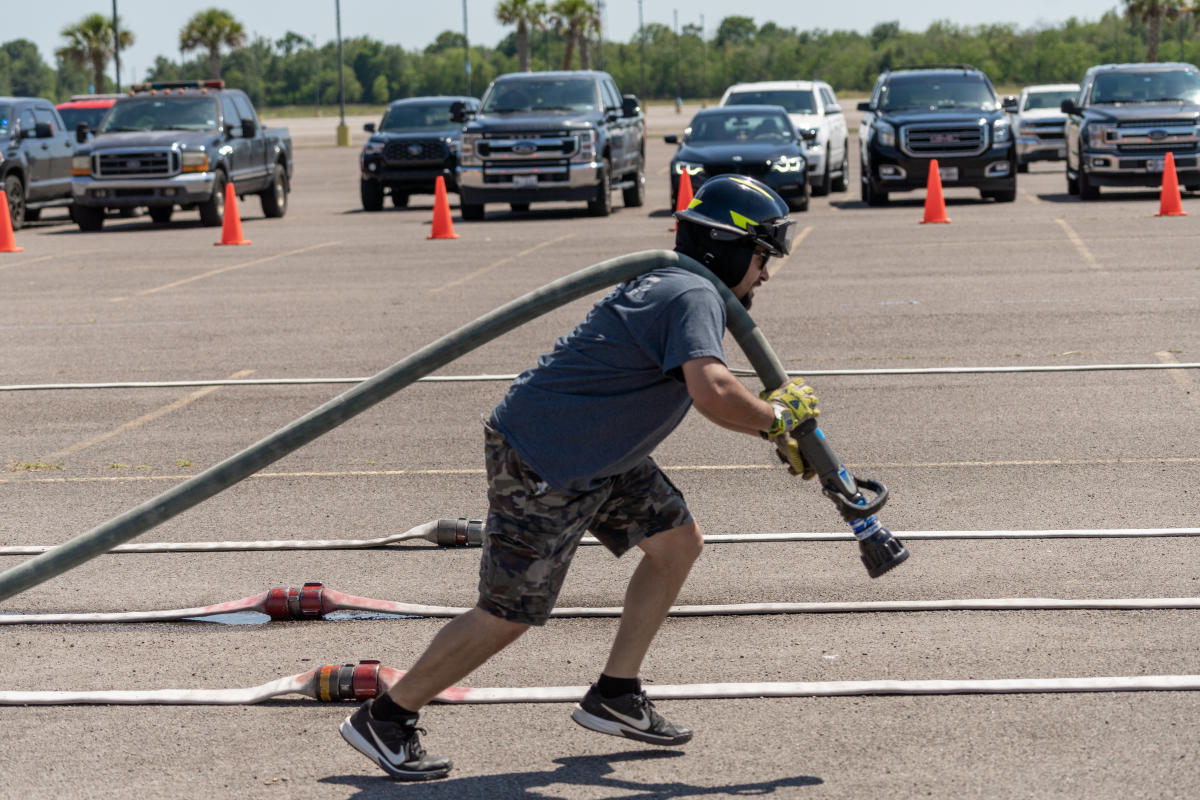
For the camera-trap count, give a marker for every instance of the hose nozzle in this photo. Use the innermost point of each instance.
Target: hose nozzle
(879, 549)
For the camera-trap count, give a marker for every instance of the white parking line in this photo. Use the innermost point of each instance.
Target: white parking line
(483, 270)
(1080, 246)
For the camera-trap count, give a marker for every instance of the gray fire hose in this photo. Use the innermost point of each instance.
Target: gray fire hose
(349, 404)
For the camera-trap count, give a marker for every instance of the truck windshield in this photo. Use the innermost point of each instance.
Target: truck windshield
(423, 117)
(941, 91)
(740, 127)
(73, 116)
(6, 119)
(1151, 86)
(544, 94)
(162, 114)
(1035, 101)
(796, 101)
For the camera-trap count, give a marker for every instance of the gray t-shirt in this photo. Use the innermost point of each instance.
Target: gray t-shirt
(612, 389)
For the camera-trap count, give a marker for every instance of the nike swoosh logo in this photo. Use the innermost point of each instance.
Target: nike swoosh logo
(395, 758)
(642, 724)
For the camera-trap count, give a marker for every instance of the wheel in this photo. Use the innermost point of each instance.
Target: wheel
(33, 214)
(372, 194)
(825, 185)
(1087, 189)
(471, 212)
(1001, 196)
(1022, 166)
(870, 195)
(1191, 188)
(89, 219)
(842, 182)
(399, 199)
(602, 205)
(519, 206)
(16, 201)
(275, 197)
(799, 203)
(161, 214)
(635, 196)
(212, 210)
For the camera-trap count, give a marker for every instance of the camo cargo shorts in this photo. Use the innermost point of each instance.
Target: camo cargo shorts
(532, 530)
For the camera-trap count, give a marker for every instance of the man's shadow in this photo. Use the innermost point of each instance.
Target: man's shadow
(556, 784)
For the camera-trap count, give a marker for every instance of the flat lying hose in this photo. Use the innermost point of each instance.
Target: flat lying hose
(314, 601)
(367, 394)
(333, 683)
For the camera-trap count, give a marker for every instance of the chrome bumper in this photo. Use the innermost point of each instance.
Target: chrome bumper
(578, 176)
(192, 187)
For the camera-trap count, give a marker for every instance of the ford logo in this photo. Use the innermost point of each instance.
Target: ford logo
(1158, 134)
(414, 149)
(524, 148)
(133, 164)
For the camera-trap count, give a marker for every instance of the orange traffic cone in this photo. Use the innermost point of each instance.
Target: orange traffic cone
(7, 243)
(1169, 204)
(443, 226)
(231, 227)
(935, 205)
(683, 197)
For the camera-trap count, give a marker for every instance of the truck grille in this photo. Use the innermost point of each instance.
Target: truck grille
(741, 168)
(1155, 136)
(1049, 130)
(546, 170)
(533, 147)
(943, 140)
(136, 164)
(416, 150)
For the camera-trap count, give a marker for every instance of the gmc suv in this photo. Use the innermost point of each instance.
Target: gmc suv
(552, 136)
(948, 113)
(1125, 120)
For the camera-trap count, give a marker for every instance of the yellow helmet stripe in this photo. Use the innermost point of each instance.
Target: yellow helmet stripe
(693, 204)
(759, 189)
(741, 221)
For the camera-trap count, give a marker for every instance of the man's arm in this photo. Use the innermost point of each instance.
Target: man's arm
(722, 398)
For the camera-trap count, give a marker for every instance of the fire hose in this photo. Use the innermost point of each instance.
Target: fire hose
(368, 678)
(880, 550)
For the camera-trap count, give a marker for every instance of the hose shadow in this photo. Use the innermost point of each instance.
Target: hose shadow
(557, 784)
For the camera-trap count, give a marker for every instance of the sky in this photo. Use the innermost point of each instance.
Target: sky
(412, 24)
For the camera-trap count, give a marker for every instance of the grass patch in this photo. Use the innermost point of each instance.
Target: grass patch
(31, 466)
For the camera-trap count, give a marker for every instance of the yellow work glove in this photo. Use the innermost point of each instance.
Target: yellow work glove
(794, 402)
(788, 451)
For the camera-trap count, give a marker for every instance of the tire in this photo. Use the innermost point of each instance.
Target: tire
(89, 219)
(16, 201)
(1002, 196)
(371, 193)
(161, 215)
(212, 210)
(825, 185)
(471, 212)
(1087, 189)
(799, 203)
(519, 206)
(1022, 167)
(635, 196)
(870, 195)
(1072, 184)
(33, 214)
(842, 182)
(602, 205)
(399, 199)
(275, 197)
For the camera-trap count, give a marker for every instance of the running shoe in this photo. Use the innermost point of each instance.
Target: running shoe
(629, 715)
(394, 746)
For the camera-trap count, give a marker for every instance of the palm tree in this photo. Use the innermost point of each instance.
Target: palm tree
(575, 18)
(524, 14)
(209, 29)
(1153, 12)
(90, 42)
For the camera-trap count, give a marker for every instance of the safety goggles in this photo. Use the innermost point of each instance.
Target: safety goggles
(776, 236)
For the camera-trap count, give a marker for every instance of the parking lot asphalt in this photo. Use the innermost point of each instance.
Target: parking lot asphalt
(332, 292)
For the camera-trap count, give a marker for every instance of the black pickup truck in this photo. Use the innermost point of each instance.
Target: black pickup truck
(551, 136)
(949, 113)
(180, 144)
(35, 158)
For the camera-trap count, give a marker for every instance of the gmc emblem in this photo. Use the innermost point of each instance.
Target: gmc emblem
(943, 138)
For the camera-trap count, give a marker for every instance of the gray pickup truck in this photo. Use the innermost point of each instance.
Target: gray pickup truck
(35, 158)
(180, 144)
(551, 136)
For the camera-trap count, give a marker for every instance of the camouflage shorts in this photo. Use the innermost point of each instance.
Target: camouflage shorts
(532, 530)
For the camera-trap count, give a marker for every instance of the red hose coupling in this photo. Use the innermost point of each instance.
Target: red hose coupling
(356, 682)
(303, 603)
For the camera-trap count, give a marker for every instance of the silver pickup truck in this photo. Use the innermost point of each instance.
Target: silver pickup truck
(180, 145)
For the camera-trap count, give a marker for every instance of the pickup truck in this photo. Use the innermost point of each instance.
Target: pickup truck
(179, 144)
(1125, 120)
(551, 136)
(35, 158)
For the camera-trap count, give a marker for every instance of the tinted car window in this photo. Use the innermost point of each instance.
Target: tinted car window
(796, 101)
(25, 120)
(1038, 100)
(245, 110)
(1147, 87)
(417, 117)
(6, 119)
(47, 116)
(937, 91)
(566, 94)
(71, 117)
(828, 97)
(759, 127)
(161, 114)
(611, 98)
(233, 120)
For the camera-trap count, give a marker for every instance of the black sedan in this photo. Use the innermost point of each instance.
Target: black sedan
(759, 141)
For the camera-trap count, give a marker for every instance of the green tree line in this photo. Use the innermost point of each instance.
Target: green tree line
(657, 63)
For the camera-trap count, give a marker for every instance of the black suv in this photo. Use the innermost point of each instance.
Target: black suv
(949, 113)
(415, 143)
(35, 158)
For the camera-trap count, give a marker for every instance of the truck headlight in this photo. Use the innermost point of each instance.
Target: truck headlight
(81, 165)
(681, 167)
(372, 148)
(1098, 137)
(587, 146)
(788, 164)
(466, 149)
(885, 134)
(194, 161)
(1001, 132)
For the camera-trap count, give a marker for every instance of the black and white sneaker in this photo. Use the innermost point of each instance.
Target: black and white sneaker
(394, 746)
(629, 715)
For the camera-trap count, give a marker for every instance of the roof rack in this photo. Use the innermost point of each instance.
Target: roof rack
(160, 85)
(931, 66)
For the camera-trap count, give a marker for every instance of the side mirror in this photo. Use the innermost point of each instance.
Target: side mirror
(369, 127)
(43, 130)
(671, 138)
(249, 128)
(630, 107)
(1009, 104)
(833, 109)
(1068, 107)
(81, 132)
(864, 105)
(458, 111)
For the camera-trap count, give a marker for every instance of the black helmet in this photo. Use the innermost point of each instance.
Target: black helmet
(729, 217)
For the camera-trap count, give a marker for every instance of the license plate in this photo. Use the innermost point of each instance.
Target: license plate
(1155, 164)
(948, 173)
(524, 181)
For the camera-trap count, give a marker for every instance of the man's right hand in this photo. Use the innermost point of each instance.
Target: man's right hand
(794, 402)
(788, 450)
